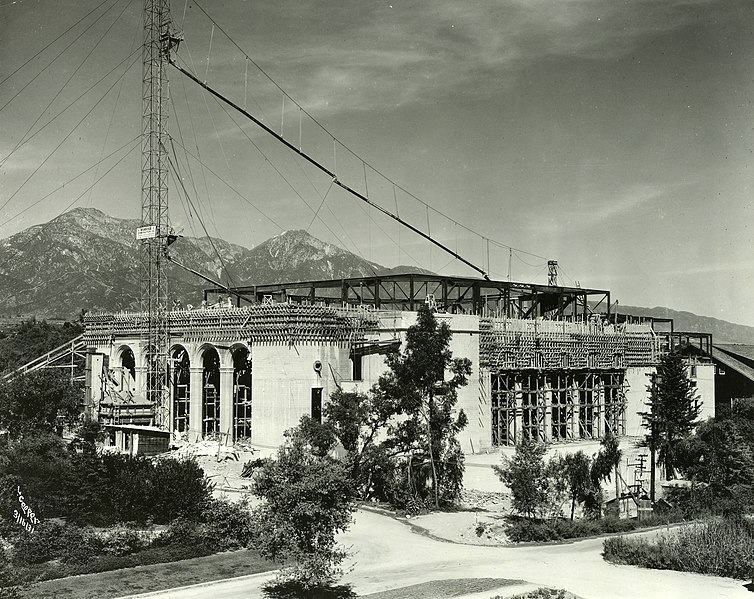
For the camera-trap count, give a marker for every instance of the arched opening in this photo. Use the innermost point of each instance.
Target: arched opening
(210, 393)
(128, 363)
(241, 394)
(181, 380)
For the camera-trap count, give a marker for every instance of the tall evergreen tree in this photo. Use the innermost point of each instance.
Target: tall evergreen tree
(416, 382)
(673, 410)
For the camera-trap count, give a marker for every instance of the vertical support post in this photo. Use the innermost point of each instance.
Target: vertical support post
(196, 387)
(226, 404)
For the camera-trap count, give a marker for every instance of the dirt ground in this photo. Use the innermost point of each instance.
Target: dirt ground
(478, 520)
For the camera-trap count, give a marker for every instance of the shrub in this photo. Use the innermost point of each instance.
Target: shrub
(52, 541)
(183, 532)
(524, 530)
(716, 547)
(123, 540)
(230, 524)
(36, 463)
(180, 490)
(112, 488)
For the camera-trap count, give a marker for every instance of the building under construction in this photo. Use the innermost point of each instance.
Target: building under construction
(549, 363)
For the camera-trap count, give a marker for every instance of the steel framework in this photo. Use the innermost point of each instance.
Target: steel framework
(451, 294)
(154, 206)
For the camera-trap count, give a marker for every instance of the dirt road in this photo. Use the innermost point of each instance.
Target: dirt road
(387, 554)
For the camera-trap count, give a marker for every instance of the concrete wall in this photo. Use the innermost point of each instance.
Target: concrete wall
(705, 388)
(465, 344)
(637, 379)
(282, 386)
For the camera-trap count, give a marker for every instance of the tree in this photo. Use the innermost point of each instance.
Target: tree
(528, 477)
(673, 411)
(308, 499)
(42, 400)
(415, 385)
(577, 470)
(604, 466)
(719, 456)
(32, 339)
(357, 420)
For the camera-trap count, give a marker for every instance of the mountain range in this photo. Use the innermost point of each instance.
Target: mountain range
(85, 259)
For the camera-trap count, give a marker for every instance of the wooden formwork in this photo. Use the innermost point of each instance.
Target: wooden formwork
(557, 405)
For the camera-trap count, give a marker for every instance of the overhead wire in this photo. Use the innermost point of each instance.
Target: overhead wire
(346, 147)
(17, 69)
(177, 176)
(45, 226)
(69, 105)
(233, 189)
(277, 170)
(28, 83)
(68, 182)
(322, 168)
(55, 149)
(115, 106)
(72, 75)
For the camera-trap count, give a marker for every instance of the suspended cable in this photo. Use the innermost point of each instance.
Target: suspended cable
(44, 227)
(201, 222)
(233, 189)
(272, 165)
(67, 81)
(55, 149)
(209, 51)
(311, 222)
(321, 126)
(90, 88)
(68, 182)
(515, 253)
(56, 57)
(322, 168)
(55, 40)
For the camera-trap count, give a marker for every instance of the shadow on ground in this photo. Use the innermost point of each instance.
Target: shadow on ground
(294, 590)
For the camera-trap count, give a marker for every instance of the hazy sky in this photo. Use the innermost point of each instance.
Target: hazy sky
(613, 136)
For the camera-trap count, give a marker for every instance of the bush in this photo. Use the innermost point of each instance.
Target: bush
(716, 547)
(180, 490)
(524, 530)
(36, 463)
(52, 541)
(104, 490)
(123, 540)
(230, 524)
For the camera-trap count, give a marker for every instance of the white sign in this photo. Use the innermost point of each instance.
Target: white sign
(148, 232)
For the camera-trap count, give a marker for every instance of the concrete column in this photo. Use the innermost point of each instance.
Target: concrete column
(195, 403)
(226, 404)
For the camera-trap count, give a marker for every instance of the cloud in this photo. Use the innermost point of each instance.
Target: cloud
(358, 55)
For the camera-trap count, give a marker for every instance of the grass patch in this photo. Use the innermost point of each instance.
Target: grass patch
(153, 577)
(716, 547)
(445, 588)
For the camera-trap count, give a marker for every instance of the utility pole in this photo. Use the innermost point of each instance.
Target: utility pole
(154, 229)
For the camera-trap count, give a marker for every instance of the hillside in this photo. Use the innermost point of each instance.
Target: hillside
(722, 331)
(85, 259)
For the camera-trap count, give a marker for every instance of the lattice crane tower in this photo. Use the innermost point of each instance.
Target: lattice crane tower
(154, 229)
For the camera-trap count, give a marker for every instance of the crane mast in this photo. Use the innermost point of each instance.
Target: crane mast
(154, 230)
